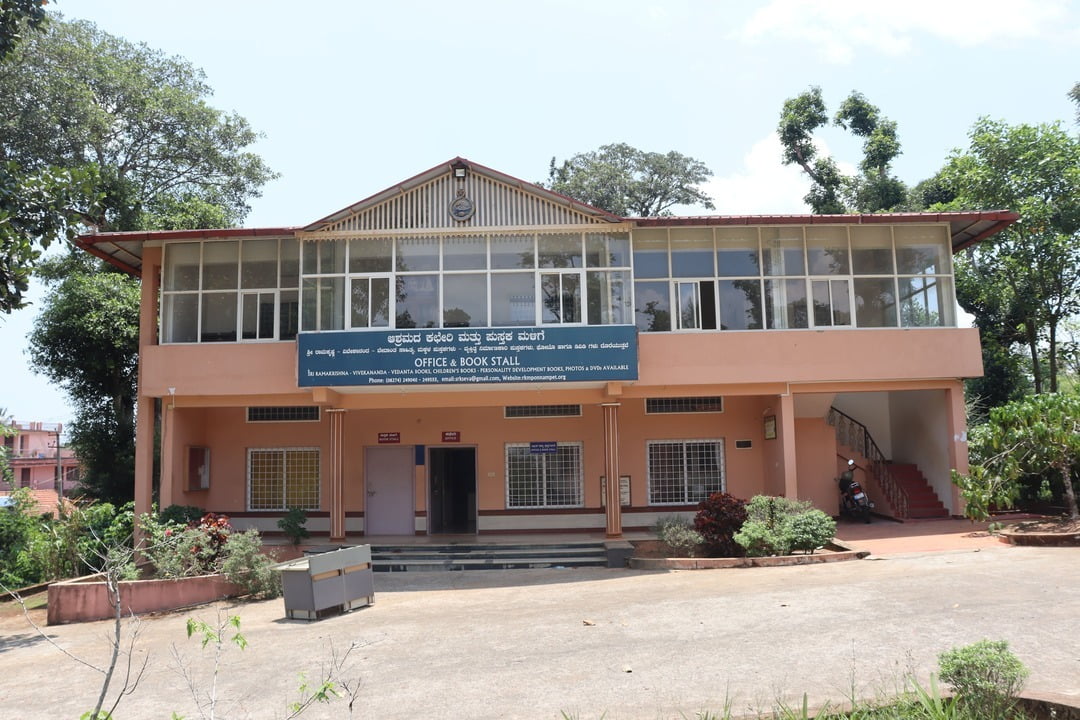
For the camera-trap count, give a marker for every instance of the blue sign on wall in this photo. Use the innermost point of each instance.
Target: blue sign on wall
(596, 353)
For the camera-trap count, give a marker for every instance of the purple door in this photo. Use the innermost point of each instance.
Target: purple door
(388, 484)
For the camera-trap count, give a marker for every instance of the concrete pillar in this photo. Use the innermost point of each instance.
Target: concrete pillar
(613, 502)
(958, 445)
(787, 435)
(336, 484)
(144, 455)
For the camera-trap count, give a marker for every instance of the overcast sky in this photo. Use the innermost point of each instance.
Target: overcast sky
(354, 96)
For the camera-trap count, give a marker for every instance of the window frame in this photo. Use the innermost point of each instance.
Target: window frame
(542, 492)
(284, 452)
(686, 499)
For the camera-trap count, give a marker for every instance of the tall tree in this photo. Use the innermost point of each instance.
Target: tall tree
(86, 341)
(874, 188)
(630, 182)
(75, 96)
(1075, 95)
(41, 204)
(159, 157)
(1032, 269)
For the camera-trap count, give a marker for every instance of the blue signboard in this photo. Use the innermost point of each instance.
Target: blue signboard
(468, 355)
(543, 447)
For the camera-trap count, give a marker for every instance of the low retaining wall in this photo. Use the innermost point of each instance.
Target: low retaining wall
(86, 599)
(835, 552)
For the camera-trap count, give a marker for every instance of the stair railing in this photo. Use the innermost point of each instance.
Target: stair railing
(853, 434)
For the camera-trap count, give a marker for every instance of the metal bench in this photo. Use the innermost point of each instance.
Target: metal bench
(329, 582)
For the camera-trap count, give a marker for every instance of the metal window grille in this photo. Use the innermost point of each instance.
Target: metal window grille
(534, 411)
(300, 413)
(282, 478)
(543, 480)
(706, 404)
(685, 471)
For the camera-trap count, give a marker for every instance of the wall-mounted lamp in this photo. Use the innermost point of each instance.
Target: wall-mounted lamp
(460, 170)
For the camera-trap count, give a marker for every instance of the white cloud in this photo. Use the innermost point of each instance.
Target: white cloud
(764, 185)
(841, 27)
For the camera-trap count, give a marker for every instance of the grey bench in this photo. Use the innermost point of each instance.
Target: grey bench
(335, 581)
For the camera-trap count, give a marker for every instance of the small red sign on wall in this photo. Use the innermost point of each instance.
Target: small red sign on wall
(451, 436)
(389, 438)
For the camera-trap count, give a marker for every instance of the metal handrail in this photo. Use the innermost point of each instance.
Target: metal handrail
(853, 434)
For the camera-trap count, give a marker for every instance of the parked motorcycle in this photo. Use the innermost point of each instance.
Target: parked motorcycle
(853, 500)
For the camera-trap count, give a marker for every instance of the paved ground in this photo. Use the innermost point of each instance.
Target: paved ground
(618, 643)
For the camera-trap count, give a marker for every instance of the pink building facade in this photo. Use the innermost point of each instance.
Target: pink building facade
(467, 353)
(33, 458)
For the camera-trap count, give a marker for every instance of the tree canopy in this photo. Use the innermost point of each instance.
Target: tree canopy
(75, 96)
(629, 182)
(874, 188)
(1024, 282)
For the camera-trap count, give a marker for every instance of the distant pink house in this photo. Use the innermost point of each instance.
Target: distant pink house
(32, 453)
(468, 353)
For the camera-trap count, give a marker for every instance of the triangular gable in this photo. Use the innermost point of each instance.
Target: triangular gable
(423, 203)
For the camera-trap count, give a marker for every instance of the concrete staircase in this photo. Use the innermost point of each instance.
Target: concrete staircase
(923, 502)
(415, 558)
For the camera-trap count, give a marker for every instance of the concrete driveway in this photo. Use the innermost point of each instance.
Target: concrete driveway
(592, 642)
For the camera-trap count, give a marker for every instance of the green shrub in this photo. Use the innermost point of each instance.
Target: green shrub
(244, 563)
(294, 525)
(718, 518)
(177, 550)
(809, 530)
(181, 514)
(986, 677)
(778, 526)
(678, 534)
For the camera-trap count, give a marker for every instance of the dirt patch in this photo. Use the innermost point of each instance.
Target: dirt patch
(1044, 531)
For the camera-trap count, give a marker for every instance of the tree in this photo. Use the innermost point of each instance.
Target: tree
(1026, 280)
(1075, 95)
(628, 182)
(15, 17)
(875, 188)
(1037, 435)
(86, 340)
(75, 96)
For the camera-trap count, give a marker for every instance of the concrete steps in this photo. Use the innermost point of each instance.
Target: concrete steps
(923, 502)
(421, 558)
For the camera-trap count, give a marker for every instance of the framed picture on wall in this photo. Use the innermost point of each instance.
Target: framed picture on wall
(770, 427)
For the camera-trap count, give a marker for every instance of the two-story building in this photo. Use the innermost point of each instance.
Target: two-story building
(37, 458)
(468, 353)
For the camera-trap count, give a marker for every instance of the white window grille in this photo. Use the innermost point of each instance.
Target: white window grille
(284, 413)
(702, 404)
(282, 478)
(543, 479)
(682, 472)
(537, 411)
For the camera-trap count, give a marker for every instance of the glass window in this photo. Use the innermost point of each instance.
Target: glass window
(370, 302)
(513, 299)
(561, 294)
(257, 319)
(652, 306)
(875, 302)
(607, 250)
(415, 254)
(609, 297)
(417, 301)
(180, 318)
(371, 255)
(926, 301)
(290, 263)
(465, 300)
(220, 265)
(737, 252)
(181, 266)
(258, 264)
(650, 254)
(832, 303)
(324, 303)
(464, 253)
(543, 480)
(782, 251)
(921, 249)
(218, 317)
(827, 251)
(740, 304)
(871, 250)
(510, 252)
(682, 472)
(282, 478)
(289, 314)
(331, 256)
(560, 251)
(691, 252)
(785, 304)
